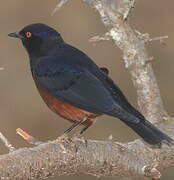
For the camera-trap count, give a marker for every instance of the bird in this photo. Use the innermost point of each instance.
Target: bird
(74, 87)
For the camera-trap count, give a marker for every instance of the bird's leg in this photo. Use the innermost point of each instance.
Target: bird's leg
(77, 123)
(84, 129)
(64, 135)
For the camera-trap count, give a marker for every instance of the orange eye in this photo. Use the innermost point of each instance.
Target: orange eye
(28, 34)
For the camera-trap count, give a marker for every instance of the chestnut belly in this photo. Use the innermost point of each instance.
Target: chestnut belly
(66, 110)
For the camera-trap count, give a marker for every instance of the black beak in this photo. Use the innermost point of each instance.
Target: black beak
(15, 35)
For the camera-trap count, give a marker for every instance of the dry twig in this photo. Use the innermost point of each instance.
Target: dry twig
(30, 139)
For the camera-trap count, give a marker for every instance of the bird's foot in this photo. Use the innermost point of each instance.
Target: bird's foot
(64, 138)
(81, 139)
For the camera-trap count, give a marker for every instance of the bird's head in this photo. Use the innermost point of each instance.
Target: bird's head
(37, 38)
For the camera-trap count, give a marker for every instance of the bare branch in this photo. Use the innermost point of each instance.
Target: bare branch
(59, 5)
(99, 158)
(161, 39)
(98, 38)
(6, 143)
(134, 55)
(146, 37)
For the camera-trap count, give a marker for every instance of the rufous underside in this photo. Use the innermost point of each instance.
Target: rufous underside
(66, 110)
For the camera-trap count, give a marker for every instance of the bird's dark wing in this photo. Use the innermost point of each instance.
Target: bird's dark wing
(73, 77)
(73, 85)
(105, 70)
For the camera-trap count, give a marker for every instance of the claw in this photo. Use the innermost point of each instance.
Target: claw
(64, 137)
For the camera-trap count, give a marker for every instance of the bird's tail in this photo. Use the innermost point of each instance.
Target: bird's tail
(150, 133)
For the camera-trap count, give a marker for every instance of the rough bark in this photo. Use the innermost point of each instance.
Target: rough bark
(98, 158)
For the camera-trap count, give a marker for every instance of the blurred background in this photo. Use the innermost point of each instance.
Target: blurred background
(20, 103)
